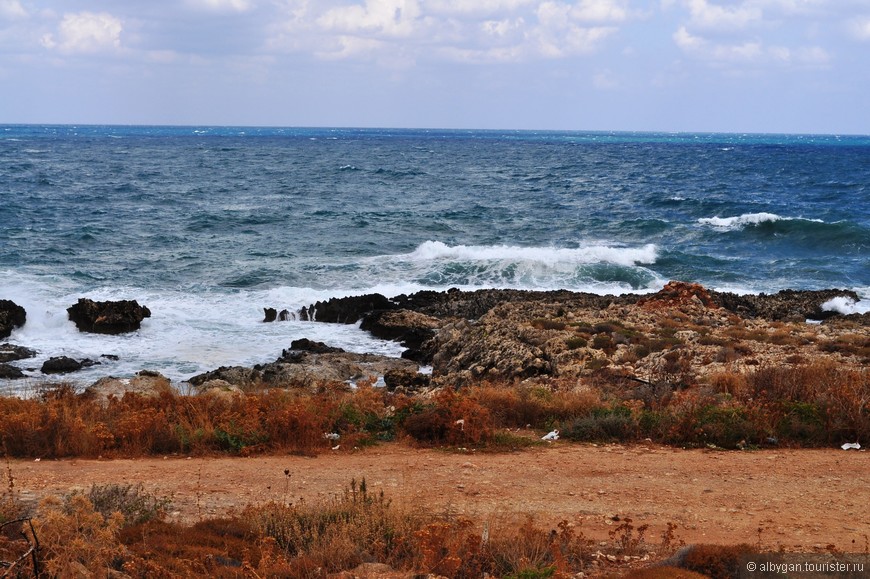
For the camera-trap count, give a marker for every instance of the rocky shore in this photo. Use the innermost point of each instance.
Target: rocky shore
(679, 336)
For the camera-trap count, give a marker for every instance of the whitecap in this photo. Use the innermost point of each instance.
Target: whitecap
(626, 256)
(747, 219)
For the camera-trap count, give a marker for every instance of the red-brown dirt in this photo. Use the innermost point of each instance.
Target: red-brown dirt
(801, 499)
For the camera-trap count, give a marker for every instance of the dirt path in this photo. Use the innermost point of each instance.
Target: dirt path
(802, 499)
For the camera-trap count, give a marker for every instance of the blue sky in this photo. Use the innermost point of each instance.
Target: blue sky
(785, 66)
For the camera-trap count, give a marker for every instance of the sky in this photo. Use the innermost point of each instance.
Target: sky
(761, 66)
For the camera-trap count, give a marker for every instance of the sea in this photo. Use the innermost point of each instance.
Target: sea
(206, 226)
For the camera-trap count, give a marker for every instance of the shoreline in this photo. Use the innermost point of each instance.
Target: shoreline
(830, 306)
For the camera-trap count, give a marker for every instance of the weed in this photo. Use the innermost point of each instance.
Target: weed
(135, 505)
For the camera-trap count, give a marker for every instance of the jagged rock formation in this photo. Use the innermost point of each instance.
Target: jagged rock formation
(109, 317)
(11, 316)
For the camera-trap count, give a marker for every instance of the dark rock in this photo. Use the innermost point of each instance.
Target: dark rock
(306, 345)
(10, 352)
(271, 314)
(11, 316)
(60, 365)
(9, 372)
(787, 305)
(284, 315)
(112, 357)
(236, 375)
(409, 328)
(110, 317)
(346, 310)
(474, 304)
(407, 378)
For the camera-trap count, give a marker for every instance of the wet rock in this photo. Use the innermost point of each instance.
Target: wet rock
(61, 365)
(9, 372)
(109, 317)
(787, 305)
(271, 314)
(306, 345)
(347, 310)
(407, 327)
(237, 375)
(146, 383)
(11, 316)
(11, 352)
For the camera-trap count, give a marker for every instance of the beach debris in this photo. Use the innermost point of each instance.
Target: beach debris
(554, 435)
(461, 423)
(851, 445)
(331, 436)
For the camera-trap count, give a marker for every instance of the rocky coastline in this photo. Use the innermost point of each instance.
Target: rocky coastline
(678, 336)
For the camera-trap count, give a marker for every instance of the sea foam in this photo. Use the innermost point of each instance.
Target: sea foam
(740, 221)
(626, 256)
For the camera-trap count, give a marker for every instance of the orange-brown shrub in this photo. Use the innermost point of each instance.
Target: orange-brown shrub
(450, 418)
(538, 406)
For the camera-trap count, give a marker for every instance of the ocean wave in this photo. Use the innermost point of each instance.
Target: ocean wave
(748, 219)
(436, 265)
(626, 256)
(846, 236)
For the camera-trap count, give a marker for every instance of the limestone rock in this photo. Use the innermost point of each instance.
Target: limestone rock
(145, 383)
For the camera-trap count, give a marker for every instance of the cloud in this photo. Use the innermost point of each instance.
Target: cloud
(12, 10)
(86, 32)
(705, 15)
(748, 52)
(474, 31)
(859, 28)
(386, 17)
(221, 5)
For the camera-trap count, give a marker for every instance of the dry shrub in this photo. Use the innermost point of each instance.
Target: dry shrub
(133, 502)
(350, 529)
(74, 539)
(213, 548)
(451, 418)
(665, 572)
(714, 561)
(838, 397)
(538, 406)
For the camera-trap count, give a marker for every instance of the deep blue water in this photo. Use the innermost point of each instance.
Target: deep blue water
(213, 223)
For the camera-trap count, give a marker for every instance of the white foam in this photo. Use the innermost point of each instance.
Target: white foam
(740, 221)
(627, 256)
(845, 305)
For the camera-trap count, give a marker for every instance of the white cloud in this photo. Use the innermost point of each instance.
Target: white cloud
(86, 32)
(388, 17)
(480, 8)
(600, 10)
(705, 15)
(12, 10)
(859, 28)
(221, 5)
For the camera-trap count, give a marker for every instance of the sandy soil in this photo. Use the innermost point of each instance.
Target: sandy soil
(802, 499)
